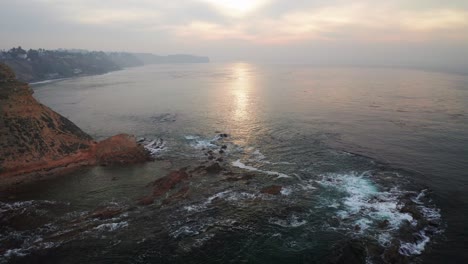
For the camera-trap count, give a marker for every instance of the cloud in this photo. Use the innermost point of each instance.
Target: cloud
(437, 19)
(236, 8)
(232, 29)
(352, 22)
(270, 22)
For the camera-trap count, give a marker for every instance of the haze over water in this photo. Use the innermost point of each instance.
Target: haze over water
(301, 127)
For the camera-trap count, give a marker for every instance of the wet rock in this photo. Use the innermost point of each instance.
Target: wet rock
(166, 164)
(408, 196)
(198, 169)
(166, 183)
(219, 159)
(21, 221)
(334, 222)
(181, 194)
(164, 118)
(433, 223)
(146, 200)
(120, 149)
(106, 213)
(214, 168)
(221, 151)
(273, 190)
(383, 224)
(155, 146)
(392, 254)
(240, 178)
(223, 147)
(351, 252)
(412, 210)
(223, 135)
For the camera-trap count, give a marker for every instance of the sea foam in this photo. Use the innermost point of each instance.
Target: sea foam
(241, 165)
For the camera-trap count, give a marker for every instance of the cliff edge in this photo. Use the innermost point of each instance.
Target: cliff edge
(36, 142)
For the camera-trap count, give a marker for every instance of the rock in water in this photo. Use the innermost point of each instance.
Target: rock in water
(273, 190)
(349, 252)
(120, 149)
(35, 140)
(214, 168)
(168, 182)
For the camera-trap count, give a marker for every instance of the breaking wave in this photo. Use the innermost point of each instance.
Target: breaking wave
(365, 209)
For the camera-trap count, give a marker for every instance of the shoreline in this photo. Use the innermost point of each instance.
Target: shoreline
(47, 81)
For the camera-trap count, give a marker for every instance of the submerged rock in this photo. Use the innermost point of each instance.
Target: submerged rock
(412, 209)
(383, 224)
(214, 168)
(245, 177)
(106, 213)
(273, 190)
(168, 182)
(164, 185)
(351, 252)
(146, 200)
(392, 254)
(181, 194)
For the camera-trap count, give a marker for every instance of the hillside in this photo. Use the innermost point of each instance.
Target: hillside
(36, 141)
(39, 65)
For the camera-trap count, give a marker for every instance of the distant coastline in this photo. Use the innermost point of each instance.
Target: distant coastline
(40, 66)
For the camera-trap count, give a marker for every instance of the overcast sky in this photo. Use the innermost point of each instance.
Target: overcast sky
(432, 33)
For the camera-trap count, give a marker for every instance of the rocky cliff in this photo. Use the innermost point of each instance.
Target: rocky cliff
(35, 141)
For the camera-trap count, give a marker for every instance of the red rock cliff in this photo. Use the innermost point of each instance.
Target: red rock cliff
(36, 140)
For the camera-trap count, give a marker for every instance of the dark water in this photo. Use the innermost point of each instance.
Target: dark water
(371, 161)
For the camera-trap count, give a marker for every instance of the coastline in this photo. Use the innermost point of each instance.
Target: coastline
(38, 142)
(47, 81)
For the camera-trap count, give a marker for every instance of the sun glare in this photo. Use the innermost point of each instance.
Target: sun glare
(236, 7)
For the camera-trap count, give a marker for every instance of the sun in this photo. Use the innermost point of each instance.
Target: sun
(240, 6)
(236, 7)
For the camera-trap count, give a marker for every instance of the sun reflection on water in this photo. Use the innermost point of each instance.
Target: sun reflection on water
(244, 101)
(241, 89)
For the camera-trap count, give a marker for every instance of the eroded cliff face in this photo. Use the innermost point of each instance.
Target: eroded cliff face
(36, 140)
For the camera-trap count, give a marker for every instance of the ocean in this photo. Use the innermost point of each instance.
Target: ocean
(372, 164)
